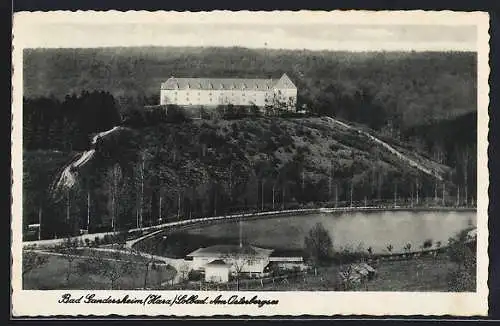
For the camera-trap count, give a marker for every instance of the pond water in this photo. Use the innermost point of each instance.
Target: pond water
(352, 229)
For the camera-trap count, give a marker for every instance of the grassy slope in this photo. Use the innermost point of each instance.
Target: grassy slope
(413, 275)
(52, 276)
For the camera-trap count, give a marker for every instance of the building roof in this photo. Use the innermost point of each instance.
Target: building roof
(231, 250)
(218, 262)
(287, 253)
(363, 268)
(228, 83)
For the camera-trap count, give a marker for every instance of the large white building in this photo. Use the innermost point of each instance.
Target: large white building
(212, 92)
(240, 259)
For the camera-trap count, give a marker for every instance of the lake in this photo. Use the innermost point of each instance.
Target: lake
(347, 229)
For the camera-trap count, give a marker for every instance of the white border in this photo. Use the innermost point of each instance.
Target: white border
(44, 303)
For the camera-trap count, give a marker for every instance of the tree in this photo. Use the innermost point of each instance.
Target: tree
(32, 260)
(462, 251)
(111, 269)
(427, 244)
(69, 250)
(407, 248)
(238, 259)
(318, 245)
(183, 271)
(165, 273)
(146, 259)
(349, 277)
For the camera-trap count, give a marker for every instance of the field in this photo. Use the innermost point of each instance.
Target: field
(52, 276)
(429, 274)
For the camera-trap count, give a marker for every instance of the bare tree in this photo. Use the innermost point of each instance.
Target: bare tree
(146, 259)
(32, 260)
(407, 248)
(466, 158)
(238, 259)
(111, 269)
(165, 273)
(69, 251)
(389, 248)
(183, 271)
(141, 197)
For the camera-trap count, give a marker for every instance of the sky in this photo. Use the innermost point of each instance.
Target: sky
(283, 30)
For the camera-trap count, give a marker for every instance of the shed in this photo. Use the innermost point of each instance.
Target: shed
(217, 271)
(357, 272)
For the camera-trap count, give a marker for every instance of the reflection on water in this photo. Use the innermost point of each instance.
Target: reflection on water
(356, 229)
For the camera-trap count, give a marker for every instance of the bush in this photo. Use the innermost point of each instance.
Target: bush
(427, 244)
(195, 275)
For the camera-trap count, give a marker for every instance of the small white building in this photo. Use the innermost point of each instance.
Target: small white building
(217, 271)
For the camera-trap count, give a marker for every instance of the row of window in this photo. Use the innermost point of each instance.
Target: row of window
(187, 98)
(210, 94)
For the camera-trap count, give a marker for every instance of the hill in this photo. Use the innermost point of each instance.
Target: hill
(405, 88)
(211, 167)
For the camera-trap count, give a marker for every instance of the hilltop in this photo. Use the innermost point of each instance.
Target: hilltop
(406, 88)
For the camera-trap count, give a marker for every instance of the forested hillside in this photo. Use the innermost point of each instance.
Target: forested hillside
(372, 88)
(204, 168)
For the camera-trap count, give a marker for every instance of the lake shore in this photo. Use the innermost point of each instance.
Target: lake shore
(176, 225)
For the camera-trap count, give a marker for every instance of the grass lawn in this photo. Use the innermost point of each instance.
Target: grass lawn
(52, 276)
(120, 255)
(422, 274)
(418, 274)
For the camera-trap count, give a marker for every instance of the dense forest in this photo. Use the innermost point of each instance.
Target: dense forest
(403, 88)
(422, 103)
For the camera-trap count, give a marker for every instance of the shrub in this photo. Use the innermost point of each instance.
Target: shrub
(427, 244)
(195, 275)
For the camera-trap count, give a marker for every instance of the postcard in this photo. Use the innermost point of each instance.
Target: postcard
(306, 163)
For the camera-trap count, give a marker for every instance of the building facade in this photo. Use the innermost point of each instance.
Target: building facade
(217, 271)
(246, 259)
(212, 92)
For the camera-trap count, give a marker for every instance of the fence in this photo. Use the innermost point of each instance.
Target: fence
(275, 282)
